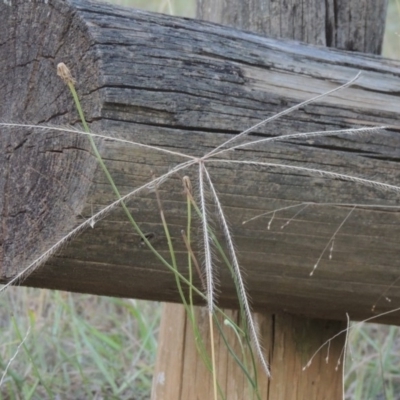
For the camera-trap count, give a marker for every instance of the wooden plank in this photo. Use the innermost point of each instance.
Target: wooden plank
(288, 342)
(189, 85)
(296, 343)
(169, 357)
(356, 25)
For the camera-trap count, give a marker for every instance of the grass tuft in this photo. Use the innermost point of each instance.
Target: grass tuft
(82, 346)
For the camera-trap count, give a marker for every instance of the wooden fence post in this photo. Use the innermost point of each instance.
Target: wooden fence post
(289, 342)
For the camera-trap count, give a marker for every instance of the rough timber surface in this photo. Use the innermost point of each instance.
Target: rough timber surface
(288, 341)
(355, 25)
(188, 85)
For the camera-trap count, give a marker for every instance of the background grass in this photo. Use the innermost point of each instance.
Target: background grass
(80, 346)
(93, 347)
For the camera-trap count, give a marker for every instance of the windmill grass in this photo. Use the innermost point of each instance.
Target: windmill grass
(362, 371)
(205, 183)
(64, 73)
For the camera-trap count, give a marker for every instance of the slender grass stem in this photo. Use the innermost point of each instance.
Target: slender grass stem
(314, 171)
(108, 175)
(303, 135)
(187, 238)
(97, 135)
(31, 359)
(214, 368)
(281, 114)
(14, 356)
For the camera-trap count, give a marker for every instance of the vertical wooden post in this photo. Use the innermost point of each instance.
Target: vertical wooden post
(289, 341)
(356, 25)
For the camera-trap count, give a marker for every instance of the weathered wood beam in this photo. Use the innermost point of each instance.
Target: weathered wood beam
(355, 25)
(188, 85)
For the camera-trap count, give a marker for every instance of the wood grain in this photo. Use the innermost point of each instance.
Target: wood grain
(287, 337)
(289, 344)
(188, 85)
(355, 25)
